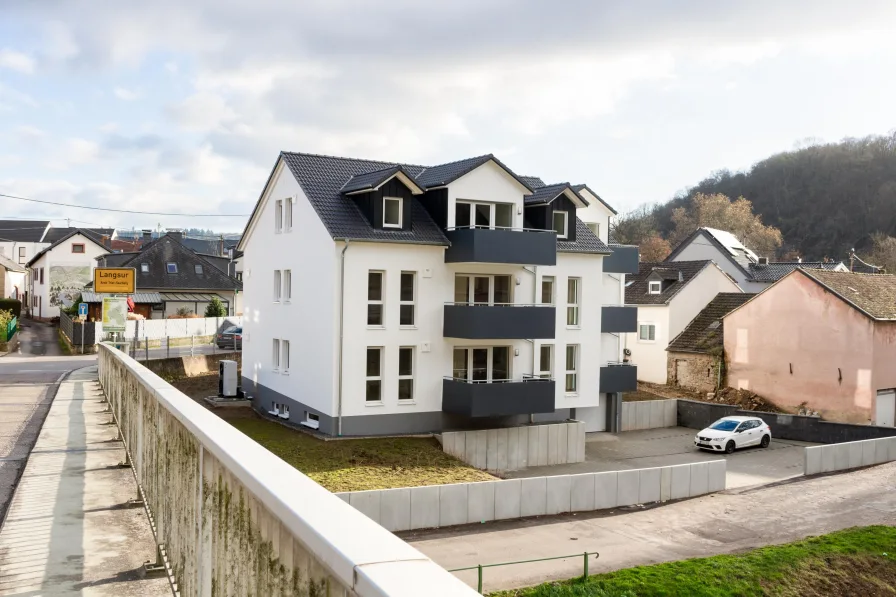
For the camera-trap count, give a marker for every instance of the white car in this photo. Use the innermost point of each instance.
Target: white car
(730, 433)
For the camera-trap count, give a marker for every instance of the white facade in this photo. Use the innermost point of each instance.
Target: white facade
(65, 272)
(670, 319)
(310, 384)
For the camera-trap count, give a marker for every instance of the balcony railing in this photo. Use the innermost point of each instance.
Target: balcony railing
(623, 260)
(494, 398)
(616, 319)
(521, 246)
(618, 377)
(499, 321)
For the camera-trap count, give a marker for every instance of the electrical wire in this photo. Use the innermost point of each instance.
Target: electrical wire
(126, 211)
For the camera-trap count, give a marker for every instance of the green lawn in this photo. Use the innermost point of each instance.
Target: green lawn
(858, 561)
(357, 464)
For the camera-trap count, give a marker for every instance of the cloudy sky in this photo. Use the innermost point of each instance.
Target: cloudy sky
(183, 106)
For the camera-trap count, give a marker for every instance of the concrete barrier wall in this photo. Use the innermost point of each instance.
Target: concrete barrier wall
(234, 519)
(178, 367)
(517, 448)
(649, 414)
(413, 508)
(848, 455)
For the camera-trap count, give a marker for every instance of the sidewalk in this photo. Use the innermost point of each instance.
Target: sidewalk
(67, 530)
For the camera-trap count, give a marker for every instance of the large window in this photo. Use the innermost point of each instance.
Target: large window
(284, 359)
(546, 360)
(287, 215)
(647, 332)
(275, 355)
(469, 214)
(406, 373)
(572, 301)
(482, 290)
(391, 212)
(287, 285)
(561, 223)
(406, 298)
(278, 215)
(374, 376)
(572, 376)
(547, 290)
(482, 364)
(23, 254)
(375, 298)
(278, 288)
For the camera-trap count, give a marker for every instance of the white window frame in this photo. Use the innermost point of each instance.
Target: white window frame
(287, 285)
(278, 216)
(378, 377)
(574, 306)
(284, 411)
(197, 269)
(492, 213)
(489, 362)
(565, 215)
(284, 357)
(23, 255)
(654, 287)
(407, 376)
(404, 303)
(648, 325)
(400, 212)
(287, 214)
(278, 289)
(549, 372)
(574, 372)
(381, 302)
(594, 227)
(553, 282)
(275, 355)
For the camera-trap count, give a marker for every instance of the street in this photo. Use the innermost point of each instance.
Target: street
(28, 382)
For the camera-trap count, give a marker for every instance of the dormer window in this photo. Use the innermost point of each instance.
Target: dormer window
(392, 212)
(654, 287)
(172, 268)
(144, 268)
(561, 223)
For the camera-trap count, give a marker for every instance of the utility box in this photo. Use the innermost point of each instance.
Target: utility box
(227, 379)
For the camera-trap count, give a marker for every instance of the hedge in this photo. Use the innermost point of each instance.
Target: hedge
(13, 305)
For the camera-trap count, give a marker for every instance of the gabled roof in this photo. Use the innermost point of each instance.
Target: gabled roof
(704, 333)
(636, 291)
(872, 294)
(443, 174)
(116, 259)
(10, 265)
(533, 182)
(586, 242)
(371, 181)
(774, 271)
(202, 245)
(73, 232)
(22, 231)
(726, 243)
(548, 193)
(97, 234)
(583, 187)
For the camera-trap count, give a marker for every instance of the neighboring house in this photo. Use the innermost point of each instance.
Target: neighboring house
(61, 271)
(820, 338)
(751, 272)
(12, 279)
(100, 235)
(668, 296)
(20, 240)
(178, 277)
(695, 358)
(386, 298)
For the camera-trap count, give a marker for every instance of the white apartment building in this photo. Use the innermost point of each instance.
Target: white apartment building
(385, 298)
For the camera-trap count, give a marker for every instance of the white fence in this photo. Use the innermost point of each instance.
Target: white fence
(649, 414)
(413, 508)
(841, 457)
(155, 329)
(234, 519)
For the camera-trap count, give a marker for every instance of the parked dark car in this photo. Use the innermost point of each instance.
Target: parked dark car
(232, 337)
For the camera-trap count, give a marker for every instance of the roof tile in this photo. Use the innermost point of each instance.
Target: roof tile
(636, 292)
(705, 332)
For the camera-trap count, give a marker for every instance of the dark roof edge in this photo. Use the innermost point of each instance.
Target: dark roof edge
(715, 242)
(604, 203)
(74, 232)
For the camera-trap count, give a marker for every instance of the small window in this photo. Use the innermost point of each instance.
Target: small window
(594, 227)
(375, 298)
(277, 286)
(654, 287)
(171, 267)
(546, 360)
(275, 355)
(560, 222)
(406, 300)
(197, 268)
(406, 373)
(647, 332)
(284, 358)
(22, 254)
(278, 216)
(41, 275)
(374, 378)
(287, 215)
(287, 285)
(547, 290)
(391, 212)
(572, 301)
(572, 377)
(77, 247)
(144, 268)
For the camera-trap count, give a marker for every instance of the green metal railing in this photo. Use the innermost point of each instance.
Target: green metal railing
(10, 330)
(480, 567)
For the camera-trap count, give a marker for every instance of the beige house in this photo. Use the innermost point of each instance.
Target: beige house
(823, 338)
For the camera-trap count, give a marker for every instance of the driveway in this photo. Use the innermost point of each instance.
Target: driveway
(783, 459)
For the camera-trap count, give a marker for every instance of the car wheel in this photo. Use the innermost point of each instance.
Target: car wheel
(766, 440)
(729, 447)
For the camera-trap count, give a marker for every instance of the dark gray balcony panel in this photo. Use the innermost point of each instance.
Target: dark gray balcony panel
(618, 378)
(484, 245)
(525, 397)
(624, 260)
(618, 319)
(500, 322)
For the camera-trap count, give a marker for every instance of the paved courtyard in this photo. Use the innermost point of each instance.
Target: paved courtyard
(783, 459)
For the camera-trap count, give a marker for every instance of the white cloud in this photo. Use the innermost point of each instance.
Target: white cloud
(16, 61)
(202, 111)
(127, 95)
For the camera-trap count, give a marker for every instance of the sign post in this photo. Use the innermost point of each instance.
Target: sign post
(82, 312)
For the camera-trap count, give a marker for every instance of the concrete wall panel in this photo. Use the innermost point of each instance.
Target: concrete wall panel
(716, 475)
(553, 442)
(502, 447)
(572, 445)
(628, 416)
(841, 456)
(657, 413)
(508, 497)
(881, 450)
(827, 458)
(491, 450)
(481, 501)
(367, 502)
(425, 507)
(649, 485)
(581, 498)
(642, 415)
(345, 497)
(480, 459)
(558, 489)
(605, 490)
(522, 456)
(867, 453)
(513, 442)
(533, 496)
(670, 418)
(452, 504)
(891, 451)
(811, 461)
(542, 445)
(627, 487)
(855, 454)
(699, 478)
(681, 481)
(395, 509)
(581, 443)
(666, 484)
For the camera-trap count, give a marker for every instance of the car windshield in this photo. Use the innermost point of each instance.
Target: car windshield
(725, 425)
(230, 330)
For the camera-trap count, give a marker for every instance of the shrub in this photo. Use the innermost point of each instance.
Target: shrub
(215, 308)
(13, 305)
(5, 317)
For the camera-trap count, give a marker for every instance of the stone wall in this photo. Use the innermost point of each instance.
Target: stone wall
(693, 371)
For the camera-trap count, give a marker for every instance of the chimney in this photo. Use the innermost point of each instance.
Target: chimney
(147, 235)
(176, 233)
(763, 261)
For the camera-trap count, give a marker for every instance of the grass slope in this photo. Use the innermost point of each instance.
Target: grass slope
(859, 561)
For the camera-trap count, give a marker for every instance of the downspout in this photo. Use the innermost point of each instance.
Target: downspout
(534, 272)
(341, 336)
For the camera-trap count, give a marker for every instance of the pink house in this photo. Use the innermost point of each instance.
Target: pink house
(823, 338)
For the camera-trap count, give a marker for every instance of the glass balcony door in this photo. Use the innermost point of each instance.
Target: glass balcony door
(474, 214)
(482, 364)
(482, 290)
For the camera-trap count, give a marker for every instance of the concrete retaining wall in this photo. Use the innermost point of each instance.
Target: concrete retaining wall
(516, 448)
(649, 414)
(844, 456)
(178, 367)
(698, 415)
(413, 508)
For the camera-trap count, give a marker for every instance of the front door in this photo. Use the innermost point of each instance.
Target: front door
(885, 409)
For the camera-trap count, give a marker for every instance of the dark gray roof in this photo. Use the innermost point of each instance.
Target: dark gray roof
(209, 246)
(439, 176)
(772, 272)
(586, 242)
(546, 194)
(636, 292)
(97, 234)
(704, 333)
(533, 182)
(372, 180)
(115, 259)
(73, 232)
(225, 264)
(22, 231)
(579, 187)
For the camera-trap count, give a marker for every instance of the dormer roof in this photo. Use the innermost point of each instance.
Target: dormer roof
(444, 174)
(371, 181)
(579, 188)
(547, 194)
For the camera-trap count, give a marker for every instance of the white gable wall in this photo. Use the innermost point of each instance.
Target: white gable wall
(489, 183)
(64, 272)
(597, 213)
(701, 247)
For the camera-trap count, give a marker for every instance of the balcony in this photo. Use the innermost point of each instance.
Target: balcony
(618, 319)
(530, 395)
(624, 260)
(499, 322)
(618, 377)
(502, 245)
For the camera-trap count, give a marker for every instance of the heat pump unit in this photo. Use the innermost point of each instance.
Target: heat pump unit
(227, 379)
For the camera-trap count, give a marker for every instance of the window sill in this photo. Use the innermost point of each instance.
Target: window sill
(573, 327)
(406, 402)
(374, 403)
(571, 394)
(284, 373)
(407, 327)
(376, 327)
(275, 371)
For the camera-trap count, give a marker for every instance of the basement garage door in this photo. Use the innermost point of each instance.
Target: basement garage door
(885, 409)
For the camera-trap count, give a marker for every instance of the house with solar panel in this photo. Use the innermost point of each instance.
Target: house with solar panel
(390, 298)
